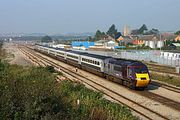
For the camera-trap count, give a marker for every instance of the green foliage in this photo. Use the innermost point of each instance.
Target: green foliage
(32, 93)
(112, 31)
(142, 29)
(99, 35)
(177, 33)
(2, 52)
(46, 39)
(152, 32)
(50, 69)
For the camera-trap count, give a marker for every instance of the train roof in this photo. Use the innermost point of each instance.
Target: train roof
(121, 61)
(97, 56)
(53, 48)
(77, 52)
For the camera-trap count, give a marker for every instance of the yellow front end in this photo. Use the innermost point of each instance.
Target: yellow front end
(142, 79)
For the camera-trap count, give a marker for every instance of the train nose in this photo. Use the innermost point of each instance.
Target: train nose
(142, 80)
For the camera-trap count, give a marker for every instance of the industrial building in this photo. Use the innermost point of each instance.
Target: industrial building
(81, 44)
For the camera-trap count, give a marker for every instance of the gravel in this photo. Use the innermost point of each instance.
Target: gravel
(15, 56)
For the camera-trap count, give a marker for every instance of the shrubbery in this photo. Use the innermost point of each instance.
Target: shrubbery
(32, 93)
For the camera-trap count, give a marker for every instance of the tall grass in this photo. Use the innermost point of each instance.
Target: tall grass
(32, 93)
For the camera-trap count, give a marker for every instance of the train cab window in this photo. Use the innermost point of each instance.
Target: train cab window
(140, 69)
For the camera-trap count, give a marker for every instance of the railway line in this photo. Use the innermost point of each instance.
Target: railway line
(154, 82)
(165, 86)
(108, 92)
(163, 69)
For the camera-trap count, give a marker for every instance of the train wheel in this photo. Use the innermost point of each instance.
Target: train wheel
(132, 85)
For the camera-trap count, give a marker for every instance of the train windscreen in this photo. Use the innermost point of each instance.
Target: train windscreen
(139, 69)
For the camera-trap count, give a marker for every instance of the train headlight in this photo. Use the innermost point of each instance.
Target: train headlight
(138, 78)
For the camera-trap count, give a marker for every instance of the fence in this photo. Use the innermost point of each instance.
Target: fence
(150, 56)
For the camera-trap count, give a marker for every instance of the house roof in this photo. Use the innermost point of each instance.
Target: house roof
(177, 38)
(103, 41)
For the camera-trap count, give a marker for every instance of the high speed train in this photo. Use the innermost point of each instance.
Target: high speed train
(133, 74)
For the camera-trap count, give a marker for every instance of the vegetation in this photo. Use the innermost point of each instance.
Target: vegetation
(46, 39)
(166, 78)
(152, 32)
(2, 52)
(142, 29)
(177, 33)
(99, 35)
(32, 93)
(112, 31)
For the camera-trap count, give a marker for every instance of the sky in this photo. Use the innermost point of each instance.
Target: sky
(68, 16)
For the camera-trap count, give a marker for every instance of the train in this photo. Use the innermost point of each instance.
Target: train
(131, 73)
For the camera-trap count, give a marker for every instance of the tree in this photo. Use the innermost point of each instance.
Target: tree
(112, 31)
(46, 39)
(152, 32)
(142, 29)
(99, 35)
(177, 33)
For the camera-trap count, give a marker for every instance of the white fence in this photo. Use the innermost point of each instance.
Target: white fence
(153, 56)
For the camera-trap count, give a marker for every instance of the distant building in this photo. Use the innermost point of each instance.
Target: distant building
(177, 38)
(125, 40)
(126, 30)
(109, 44)
(135, 32)
(81, 44)
(138, 42)
(60, 46)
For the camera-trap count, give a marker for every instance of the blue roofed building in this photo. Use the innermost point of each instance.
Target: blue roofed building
(82, 44)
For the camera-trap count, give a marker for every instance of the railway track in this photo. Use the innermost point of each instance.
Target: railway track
(165, 86)
(163, 69)
(147, 113)
(154, 82)
(37, 62)
(166, 101)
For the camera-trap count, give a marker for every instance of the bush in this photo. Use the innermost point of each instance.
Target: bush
(32, 93)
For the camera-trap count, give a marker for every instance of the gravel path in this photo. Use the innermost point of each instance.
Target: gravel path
(15, 56)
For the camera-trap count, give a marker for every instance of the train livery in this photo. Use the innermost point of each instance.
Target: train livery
(133, 74)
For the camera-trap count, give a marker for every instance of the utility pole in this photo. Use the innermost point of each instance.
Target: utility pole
(160, 41)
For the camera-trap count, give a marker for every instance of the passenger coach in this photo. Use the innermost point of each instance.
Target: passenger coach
(133, 74)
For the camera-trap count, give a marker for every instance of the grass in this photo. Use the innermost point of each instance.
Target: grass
(166, 78)
(92, 105)
(32, 93)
